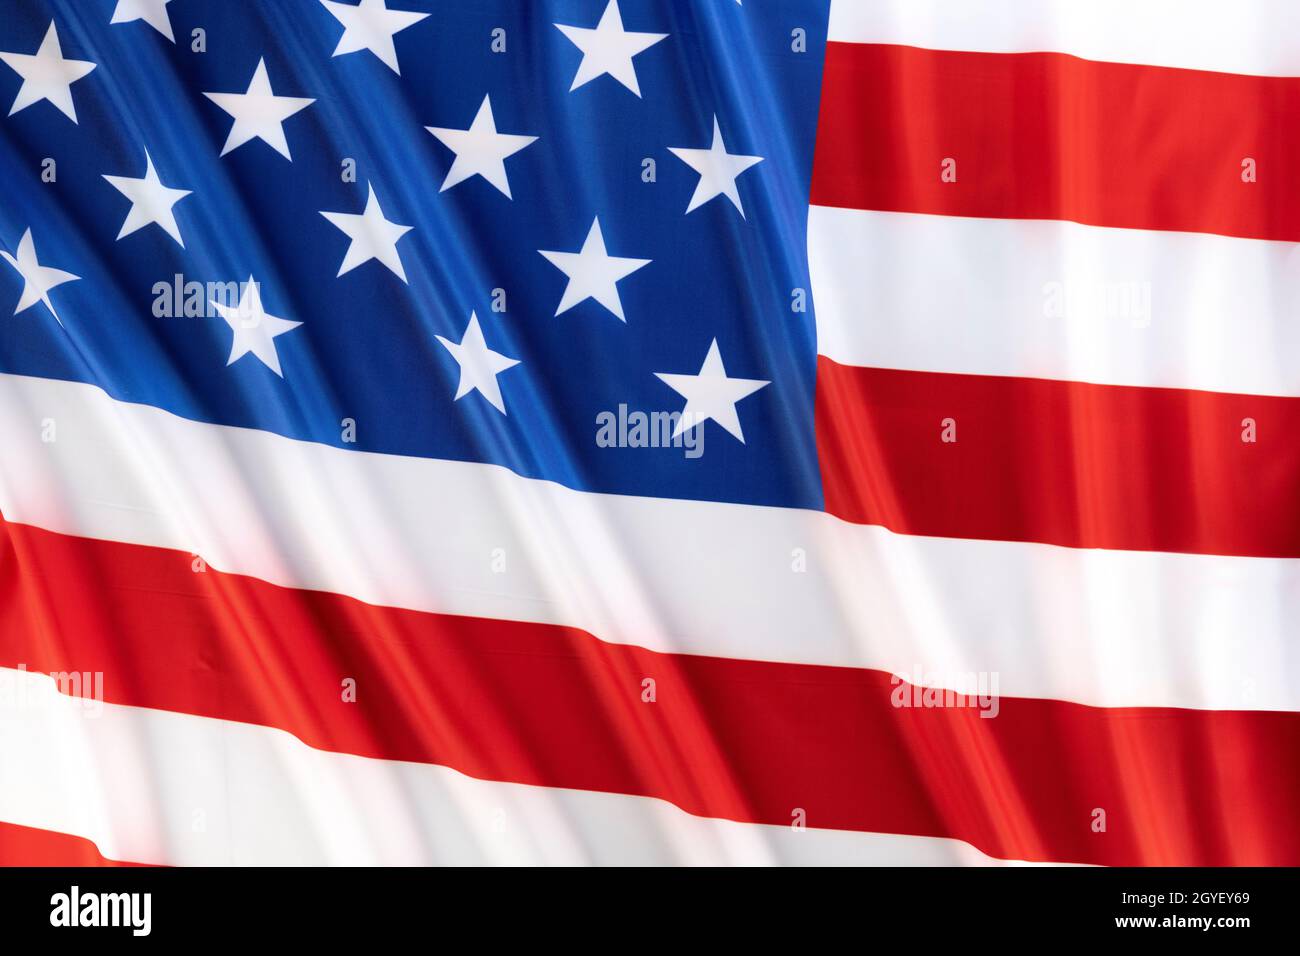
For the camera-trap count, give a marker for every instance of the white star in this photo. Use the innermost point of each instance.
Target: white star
(255, 330)
(152, 12)
(480, 150)
(47, 75)
(479, 365)
(259, 113)
(370, 26)
(372, 235)
(718, 170)
(608, 49)
(151, 202)
(38, 280)
(593, 273)
(711, 394)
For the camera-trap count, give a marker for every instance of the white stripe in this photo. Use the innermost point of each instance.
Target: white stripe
(149, 786)
(1055, 300)
(1097, 627)
(1246, 36)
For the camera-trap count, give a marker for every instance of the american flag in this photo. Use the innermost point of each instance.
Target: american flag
(649, 431)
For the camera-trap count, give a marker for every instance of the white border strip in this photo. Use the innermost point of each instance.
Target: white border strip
(1247, 36)
(1056, 300)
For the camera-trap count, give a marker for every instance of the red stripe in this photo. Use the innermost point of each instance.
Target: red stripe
(28, 846)
(742, 740)
(1051, 136)
(1085, 466)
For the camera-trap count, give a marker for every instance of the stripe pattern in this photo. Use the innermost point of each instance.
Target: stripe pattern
(1051, 285)
(1042, 615)
(551, 707)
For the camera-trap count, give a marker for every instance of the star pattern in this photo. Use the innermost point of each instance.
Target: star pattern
(255, 330)
(373, 237)
(480, 150)
(47, 75)
(151, 202)
(718, 170)
(38, 280)
(711, 394)
(370, 25)
(152, 12)
(608, 49)
(593, 273)
(479, 365)
(259, 113)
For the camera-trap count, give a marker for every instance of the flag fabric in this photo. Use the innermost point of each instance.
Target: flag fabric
(649, 432)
